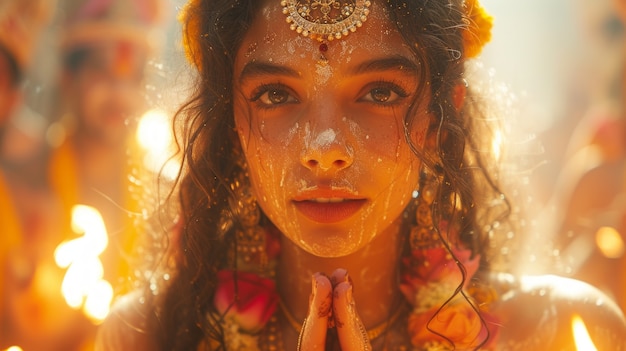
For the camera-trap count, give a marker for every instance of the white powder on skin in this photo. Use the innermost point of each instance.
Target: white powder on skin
(346, 51)
(324, 73)
(293, 131)
(324, 139)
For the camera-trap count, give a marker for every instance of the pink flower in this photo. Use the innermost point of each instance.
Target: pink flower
(429, 278)
(436, 267)
(457, 321)
(246, 298)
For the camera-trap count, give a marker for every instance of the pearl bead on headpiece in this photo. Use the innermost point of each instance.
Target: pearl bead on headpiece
(325, 19)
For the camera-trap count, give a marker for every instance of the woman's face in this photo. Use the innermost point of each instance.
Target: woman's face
(324, 139)
(106, 91)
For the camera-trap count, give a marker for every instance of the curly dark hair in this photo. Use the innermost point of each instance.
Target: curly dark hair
(212, 154)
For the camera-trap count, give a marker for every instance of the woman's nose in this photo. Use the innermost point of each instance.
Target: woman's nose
(327, 152)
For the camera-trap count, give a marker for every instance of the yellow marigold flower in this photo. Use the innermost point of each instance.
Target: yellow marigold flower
(190, 20)
(478, 31)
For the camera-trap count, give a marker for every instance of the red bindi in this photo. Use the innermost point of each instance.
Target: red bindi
(323, 47)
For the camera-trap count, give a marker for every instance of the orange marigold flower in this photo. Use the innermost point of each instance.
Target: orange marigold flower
(190, 21)
(478, 31)
(457, 322)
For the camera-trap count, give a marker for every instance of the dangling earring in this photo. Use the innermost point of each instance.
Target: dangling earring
(423, 235)
(251, 236)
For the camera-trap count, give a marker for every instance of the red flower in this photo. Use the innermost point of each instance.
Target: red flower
(246, 298)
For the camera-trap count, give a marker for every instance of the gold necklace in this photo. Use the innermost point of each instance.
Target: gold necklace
(371, 333)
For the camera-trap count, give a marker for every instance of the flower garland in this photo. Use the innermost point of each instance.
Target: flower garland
(444, 315)
(441, 320)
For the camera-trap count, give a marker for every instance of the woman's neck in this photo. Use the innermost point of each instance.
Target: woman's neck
(373, 271)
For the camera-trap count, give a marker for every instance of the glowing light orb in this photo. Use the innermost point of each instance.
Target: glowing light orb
(154, 135)
(83, 284)
(610, 242)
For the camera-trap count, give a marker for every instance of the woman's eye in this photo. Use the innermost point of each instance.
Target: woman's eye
(275, 97)
(270, 96)
(384, 95)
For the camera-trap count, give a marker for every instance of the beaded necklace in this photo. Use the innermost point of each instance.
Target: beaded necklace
(440, 319)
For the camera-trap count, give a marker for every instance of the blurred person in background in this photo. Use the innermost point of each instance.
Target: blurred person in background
(94, 172)
(592, 188)
(105, 46)
(24, 209)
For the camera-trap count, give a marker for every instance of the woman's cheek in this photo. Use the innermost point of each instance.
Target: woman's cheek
(381, 145)
(268, 170)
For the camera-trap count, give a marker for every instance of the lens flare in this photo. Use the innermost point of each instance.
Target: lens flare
(154, 135)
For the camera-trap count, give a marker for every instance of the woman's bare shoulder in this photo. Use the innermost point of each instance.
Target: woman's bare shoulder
(536, 311)
(125, 326)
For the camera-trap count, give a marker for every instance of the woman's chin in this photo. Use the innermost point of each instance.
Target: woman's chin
(330, 245)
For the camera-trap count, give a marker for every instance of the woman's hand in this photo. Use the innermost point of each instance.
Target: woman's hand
(331, 306)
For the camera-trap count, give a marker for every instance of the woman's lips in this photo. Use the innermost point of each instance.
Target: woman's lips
(329, 209)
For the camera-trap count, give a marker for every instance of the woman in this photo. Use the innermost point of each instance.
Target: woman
(337, 174)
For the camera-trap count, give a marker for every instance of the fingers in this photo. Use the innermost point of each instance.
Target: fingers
(350, 330)
(340, 275)
(313, 334)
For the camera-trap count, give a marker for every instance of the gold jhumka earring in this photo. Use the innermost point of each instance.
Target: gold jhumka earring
(325, 20)
(423, 235)
(251, 237)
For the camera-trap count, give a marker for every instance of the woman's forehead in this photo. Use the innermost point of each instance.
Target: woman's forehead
(271, 38)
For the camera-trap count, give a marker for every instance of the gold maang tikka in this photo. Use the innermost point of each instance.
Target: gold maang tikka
(325, 20)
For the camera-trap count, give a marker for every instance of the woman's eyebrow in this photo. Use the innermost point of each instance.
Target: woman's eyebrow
(255, 69)
(396, 62)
